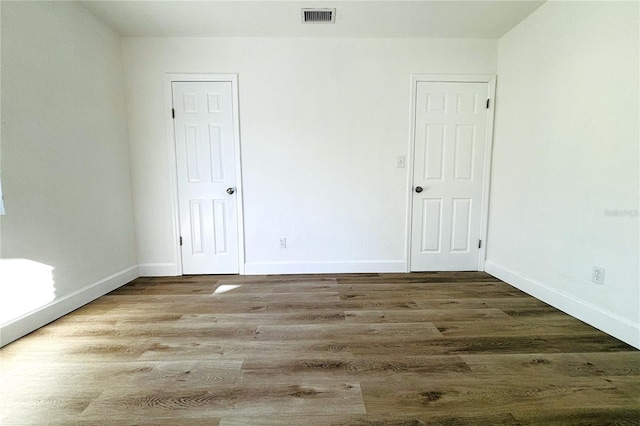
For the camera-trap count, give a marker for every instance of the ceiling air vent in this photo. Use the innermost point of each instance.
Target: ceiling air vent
(318, 16)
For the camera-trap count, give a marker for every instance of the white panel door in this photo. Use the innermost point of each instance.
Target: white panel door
(205, 155)
(450, 133)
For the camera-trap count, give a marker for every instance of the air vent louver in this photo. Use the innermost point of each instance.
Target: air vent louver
(318, 16)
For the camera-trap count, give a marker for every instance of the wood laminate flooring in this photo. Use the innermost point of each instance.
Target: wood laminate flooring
(364, 349)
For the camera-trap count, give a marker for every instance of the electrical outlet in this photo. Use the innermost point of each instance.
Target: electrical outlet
(282, 242)
(597, 276)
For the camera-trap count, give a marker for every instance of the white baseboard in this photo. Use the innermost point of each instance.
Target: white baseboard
(33, 320)
(609, 322)
(158, 270)
(264, 268)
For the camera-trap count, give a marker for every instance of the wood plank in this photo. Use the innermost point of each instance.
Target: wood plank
(186, 348)
(316, 397)
(491, 344)
(453, 419)
(35, 410)
(629, 416)
(272, 369)
(292, 317)
(140, 421)
(347, 332)
(472, 395)
(423, 315)
(141, 330)
(419, 277)
(503, 303)
(588, 364)
(510, 327)
(67, 377)
(434, 290)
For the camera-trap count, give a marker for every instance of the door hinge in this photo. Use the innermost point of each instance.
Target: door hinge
(173, 113)
(180, 240)
(488, 101)
(479, 243)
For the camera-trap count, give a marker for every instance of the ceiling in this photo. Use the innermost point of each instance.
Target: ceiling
(239, 18)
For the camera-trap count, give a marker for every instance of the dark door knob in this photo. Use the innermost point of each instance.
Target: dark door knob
(231, 190)
(419, 189)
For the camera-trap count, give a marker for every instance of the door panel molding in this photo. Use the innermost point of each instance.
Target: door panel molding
(169, 79)
(434, 104)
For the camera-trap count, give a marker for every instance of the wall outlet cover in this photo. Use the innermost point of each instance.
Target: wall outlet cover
(597, 276)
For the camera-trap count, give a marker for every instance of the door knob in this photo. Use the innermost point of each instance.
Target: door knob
(419, 189)
(231, 190)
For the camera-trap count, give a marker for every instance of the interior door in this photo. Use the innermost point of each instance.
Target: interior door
(450, 139)
(204, 136)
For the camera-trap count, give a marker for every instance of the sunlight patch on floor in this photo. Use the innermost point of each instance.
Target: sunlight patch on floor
(225, 288)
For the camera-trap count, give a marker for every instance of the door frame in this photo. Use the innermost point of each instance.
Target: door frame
(484, 206)
(170, 78)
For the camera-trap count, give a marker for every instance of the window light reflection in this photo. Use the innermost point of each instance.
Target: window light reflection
(25, 285)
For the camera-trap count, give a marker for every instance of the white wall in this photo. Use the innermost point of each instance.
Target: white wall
(566, 153)
(0, 126)
(322, 121)
(65, 162)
